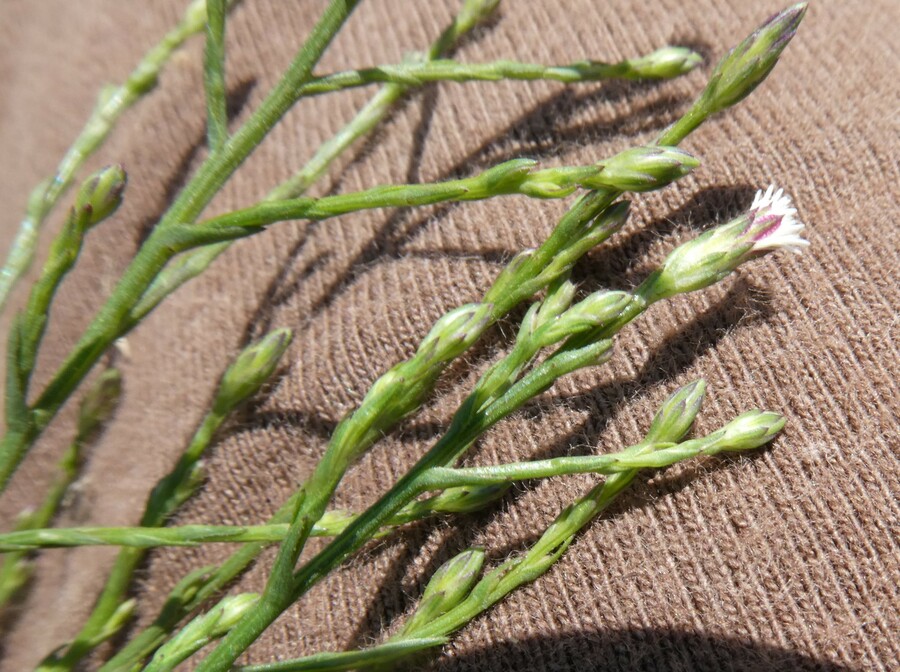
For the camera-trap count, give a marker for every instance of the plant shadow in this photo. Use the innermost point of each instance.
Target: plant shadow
(743, 305)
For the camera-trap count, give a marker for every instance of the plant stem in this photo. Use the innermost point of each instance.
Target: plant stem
(113, 102)
(214, 75)
(511, 177)
(417, 74)
(193, 263)
(389, 652)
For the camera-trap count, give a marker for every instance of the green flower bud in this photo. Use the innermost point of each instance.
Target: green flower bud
(665, 63)
(454, 332)
(644, 168)
(118, 620)
(455, 578)
(253, 367)
(466, 499)
(676, 415)
(101, 194)
(597, 310)
(200, 631)
(475, 11)
(449, 586)
(99, 404)
(558, 300)
(750, 62)
(747, 431)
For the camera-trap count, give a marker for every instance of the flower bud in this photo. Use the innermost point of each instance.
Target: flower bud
(101, 194)
(749, 430)
(99, 404)
(455, 331)
(750, 62)
(644, 168)
(559, 299)
(118, 620)
(676, 415)
(665, 63)
(768, 225)
(448, 586)
(597, 310)
(467, 498)
(202, 630)
(253, 367)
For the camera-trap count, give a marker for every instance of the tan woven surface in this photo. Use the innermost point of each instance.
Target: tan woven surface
(786, 559)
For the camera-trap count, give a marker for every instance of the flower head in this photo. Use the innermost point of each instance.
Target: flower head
(768, 225)
(774, 223)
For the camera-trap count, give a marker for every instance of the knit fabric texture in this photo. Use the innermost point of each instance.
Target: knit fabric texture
(785, 558)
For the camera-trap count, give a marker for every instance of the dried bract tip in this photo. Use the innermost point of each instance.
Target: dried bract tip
(101, 194)
(676, 415)
(253, 367)
(666, 63)
(749, 63)
(645, 168)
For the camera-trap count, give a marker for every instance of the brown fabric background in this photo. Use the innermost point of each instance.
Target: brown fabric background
(787, 558)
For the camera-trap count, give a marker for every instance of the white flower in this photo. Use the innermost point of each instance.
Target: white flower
(774, 223)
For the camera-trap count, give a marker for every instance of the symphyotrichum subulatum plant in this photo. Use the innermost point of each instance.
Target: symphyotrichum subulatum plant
(556, 336)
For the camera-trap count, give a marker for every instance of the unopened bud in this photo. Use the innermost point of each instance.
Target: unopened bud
(467, 498)
(644, 168)
(99, 404)
(665, 63)
(750, 62)
(101, 194)
(454, 332)
(253, 367)
(749, 430)
(475, 11)
(449, 586)
(118, 620)
(202, 630)
(559, 299)
(597, 310)
(676, 415)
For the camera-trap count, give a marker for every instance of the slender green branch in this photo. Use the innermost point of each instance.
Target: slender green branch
(389, 652)
(190, 265)
(214, 75)
(419, 73)
(516, 176)
(193, 263)
(454, 595)
(113, 102)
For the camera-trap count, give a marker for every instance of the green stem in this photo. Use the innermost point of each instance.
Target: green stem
(14, 573)
(417, 74)
(511, 177)
(114, 101)
(214, 75)
(388, 652)
(190, 265)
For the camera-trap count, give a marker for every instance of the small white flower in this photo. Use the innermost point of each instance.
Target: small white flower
(774, 222)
